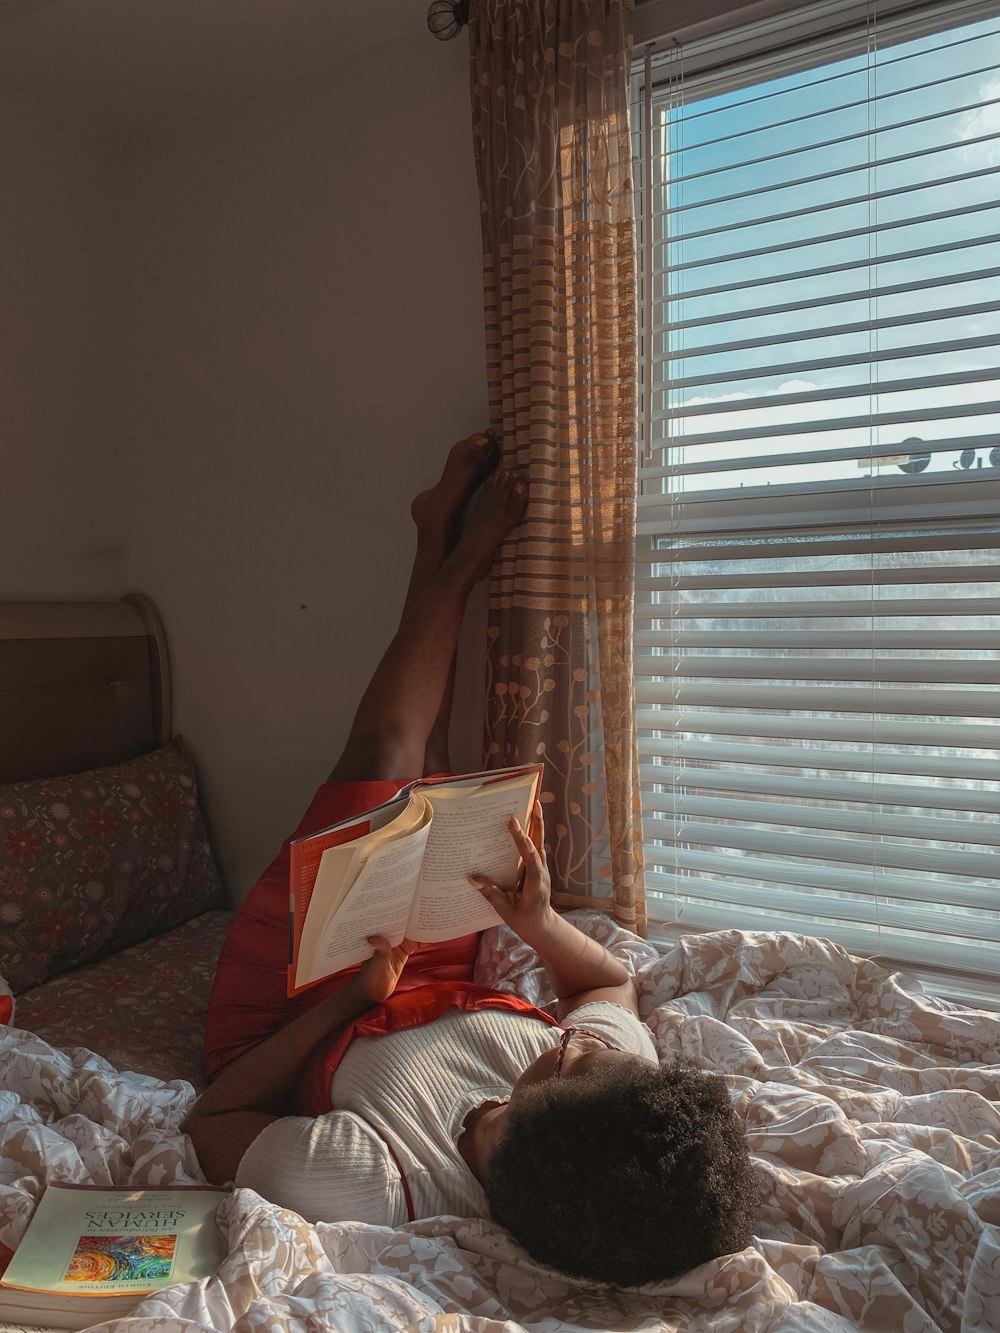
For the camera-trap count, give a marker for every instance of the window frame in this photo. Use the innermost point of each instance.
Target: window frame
(767, 48)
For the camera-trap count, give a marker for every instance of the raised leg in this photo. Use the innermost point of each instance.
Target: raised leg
(437, 514)
(399, 709)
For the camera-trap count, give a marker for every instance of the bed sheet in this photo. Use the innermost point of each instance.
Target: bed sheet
(142, 1008)
(873, 1115)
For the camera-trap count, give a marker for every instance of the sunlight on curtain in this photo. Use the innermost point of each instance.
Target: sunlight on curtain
(550, 119)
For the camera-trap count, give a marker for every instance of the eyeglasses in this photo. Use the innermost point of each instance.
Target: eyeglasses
(582, 1041)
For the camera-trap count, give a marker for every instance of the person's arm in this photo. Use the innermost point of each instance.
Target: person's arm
(257, 1088)
(580, 969)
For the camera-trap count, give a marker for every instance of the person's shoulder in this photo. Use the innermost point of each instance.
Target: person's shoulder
(616, 1023)
(331, 1168)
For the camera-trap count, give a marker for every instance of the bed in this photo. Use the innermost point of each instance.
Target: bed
(872, 1109)
(112, 912)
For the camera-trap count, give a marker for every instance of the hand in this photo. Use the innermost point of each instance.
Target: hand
(525, 906)
(380, 973)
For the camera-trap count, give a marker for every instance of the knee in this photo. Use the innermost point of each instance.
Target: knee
(386, 755)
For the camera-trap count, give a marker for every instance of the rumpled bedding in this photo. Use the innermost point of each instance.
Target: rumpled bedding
(873, 1115)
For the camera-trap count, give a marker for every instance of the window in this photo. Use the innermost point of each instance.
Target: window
(817, 619)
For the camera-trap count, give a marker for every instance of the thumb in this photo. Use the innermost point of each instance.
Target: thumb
(486, 887)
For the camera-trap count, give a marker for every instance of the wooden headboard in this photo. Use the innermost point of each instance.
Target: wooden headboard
(82, 684)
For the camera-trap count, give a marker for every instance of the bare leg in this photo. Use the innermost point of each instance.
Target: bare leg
(398, 710)
(437, 513)
(437, 755)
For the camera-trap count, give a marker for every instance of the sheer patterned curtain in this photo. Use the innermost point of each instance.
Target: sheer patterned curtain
(550, 119)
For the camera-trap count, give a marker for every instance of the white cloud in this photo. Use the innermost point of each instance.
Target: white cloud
(761, 414)
(787, 386)
(984, 120)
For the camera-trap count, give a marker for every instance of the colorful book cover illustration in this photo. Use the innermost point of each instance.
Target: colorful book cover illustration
(106, 1259)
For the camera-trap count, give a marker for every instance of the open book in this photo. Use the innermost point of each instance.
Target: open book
(401, 869)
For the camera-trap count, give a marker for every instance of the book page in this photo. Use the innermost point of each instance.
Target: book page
(468, 836)
(339, 868)
(378, 903)
(306, 854)
(340, 865)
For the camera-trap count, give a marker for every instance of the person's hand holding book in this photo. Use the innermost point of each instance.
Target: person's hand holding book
(527, 905)
(580, 969)
(380, 975)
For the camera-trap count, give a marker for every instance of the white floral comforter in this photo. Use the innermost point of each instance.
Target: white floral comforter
(873, 1113)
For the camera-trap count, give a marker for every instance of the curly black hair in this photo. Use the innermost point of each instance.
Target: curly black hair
(630, 1174)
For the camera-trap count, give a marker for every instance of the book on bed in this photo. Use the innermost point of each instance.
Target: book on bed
(401, 869)
(91, 1252)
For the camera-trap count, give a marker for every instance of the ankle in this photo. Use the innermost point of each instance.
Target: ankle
(467, 564)
(433, 543)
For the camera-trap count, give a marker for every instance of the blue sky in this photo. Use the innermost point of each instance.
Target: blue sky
(949, 84)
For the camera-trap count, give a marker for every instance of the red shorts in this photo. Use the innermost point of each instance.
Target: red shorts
(249, 997)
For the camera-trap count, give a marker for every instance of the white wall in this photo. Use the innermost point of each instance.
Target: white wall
(304, 339)
(63, 485)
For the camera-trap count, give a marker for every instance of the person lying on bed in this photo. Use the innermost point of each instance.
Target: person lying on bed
(599, 1162)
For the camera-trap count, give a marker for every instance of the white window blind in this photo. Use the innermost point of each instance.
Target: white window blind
(817, 647)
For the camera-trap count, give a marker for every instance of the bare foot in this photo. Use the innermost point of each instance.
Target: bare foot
(499, 508)
(469, 461)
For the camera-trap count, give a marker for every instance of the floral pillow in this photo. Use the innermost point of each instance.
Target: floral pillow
(93, 863)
